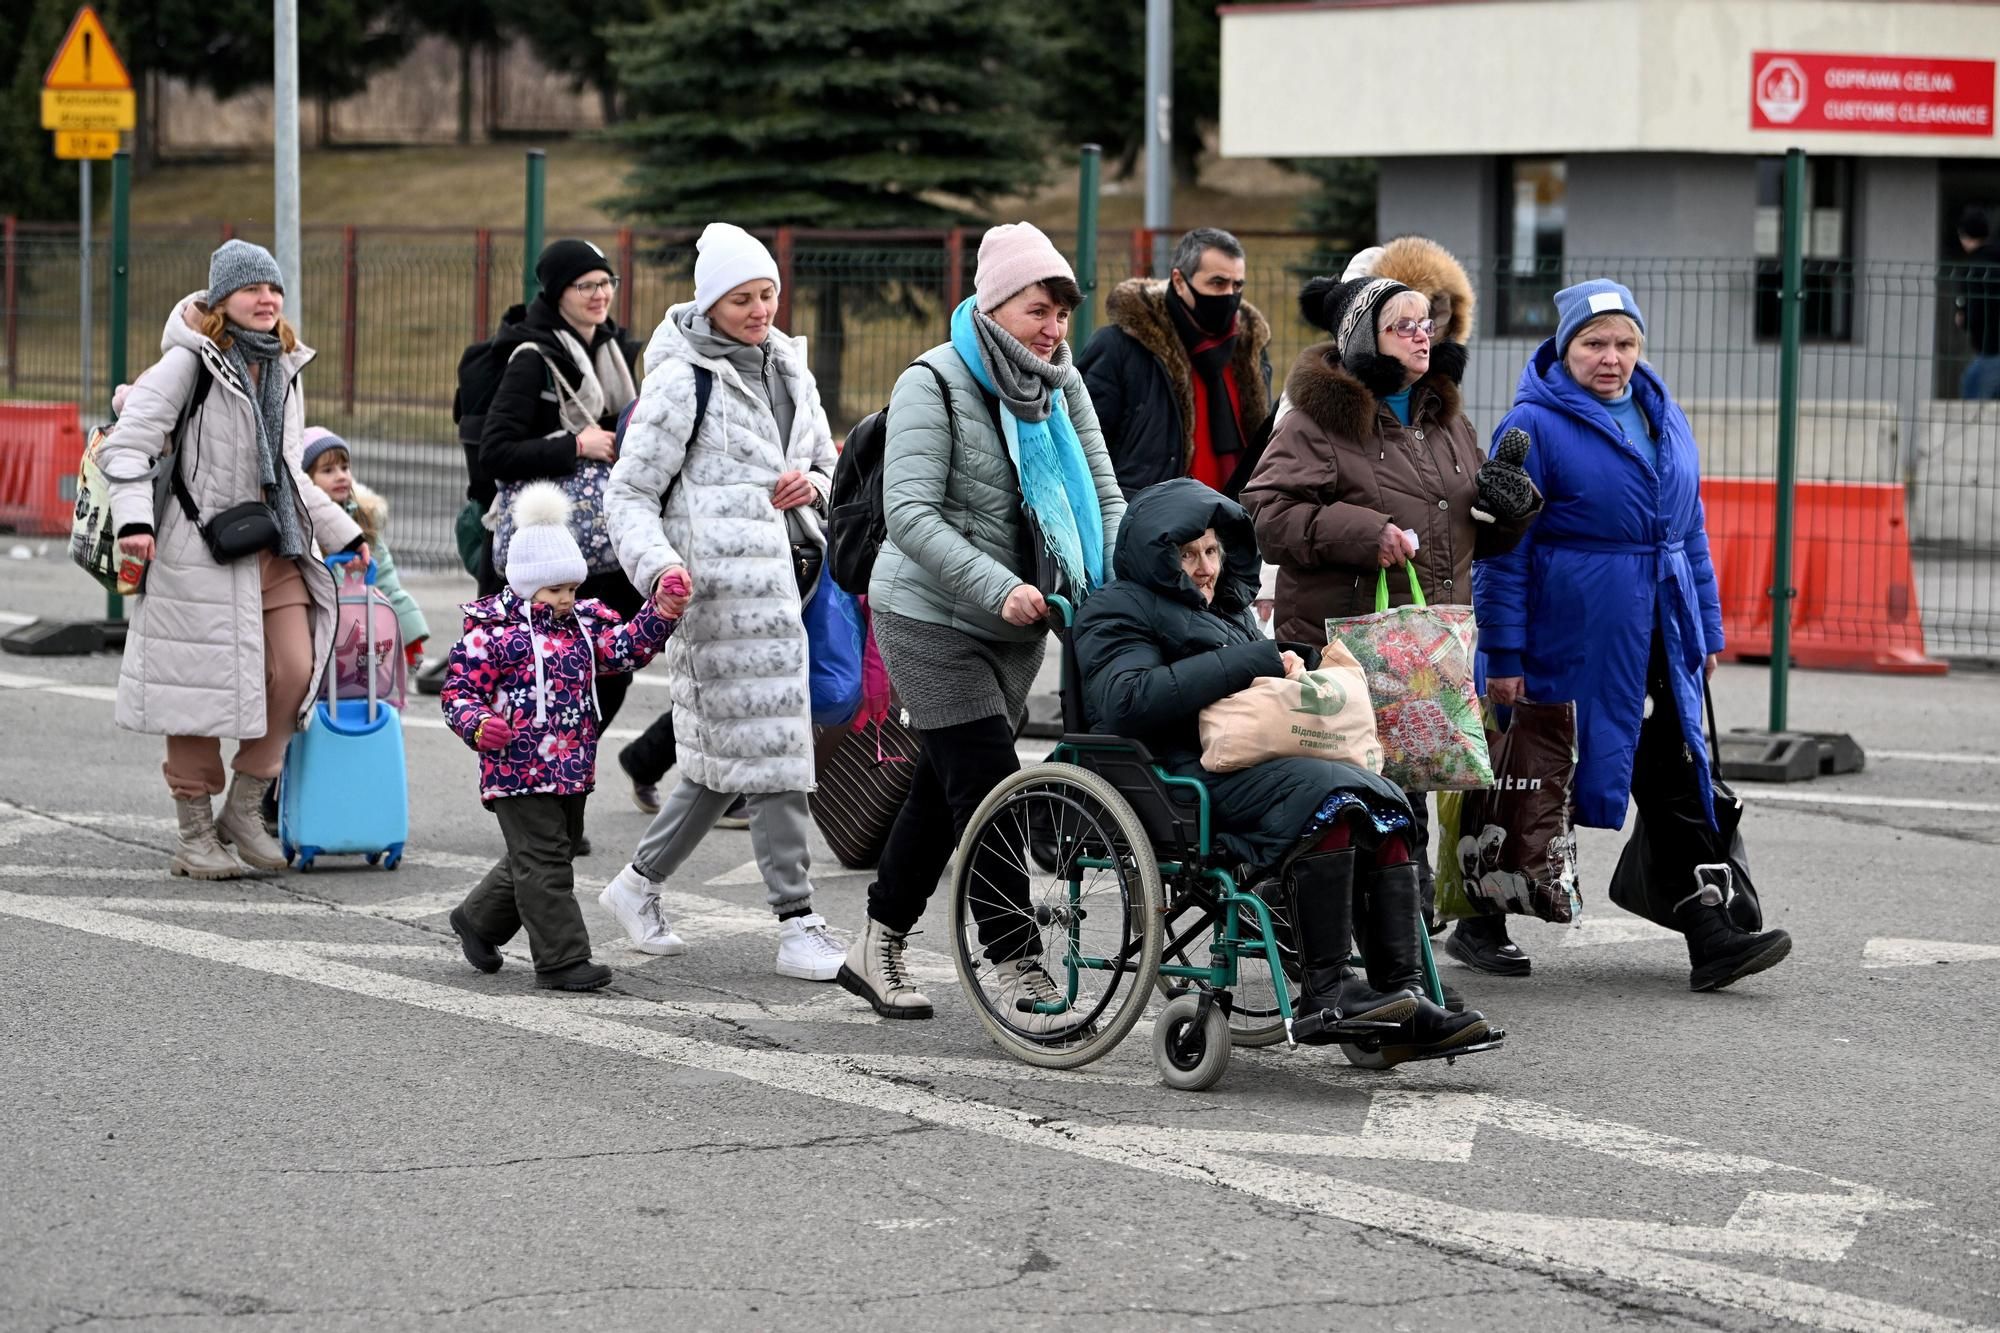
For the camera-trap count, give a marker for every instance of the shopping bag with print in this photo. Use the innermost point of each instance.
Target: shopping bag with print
(1418, 660)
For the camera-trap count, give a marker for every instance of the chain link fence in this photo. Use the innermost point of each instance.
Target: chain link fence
(1892, 458)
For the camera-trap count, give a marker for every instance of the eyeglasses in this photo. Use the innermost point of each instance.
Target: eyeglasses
(1410, 328)
(593, 288)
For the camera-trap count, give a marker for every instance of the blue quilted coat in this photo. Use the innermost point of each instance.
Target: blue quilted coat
(1620, 549)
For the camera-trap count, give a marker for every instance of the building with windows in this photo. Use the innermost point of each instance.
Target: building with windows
(1550, 140)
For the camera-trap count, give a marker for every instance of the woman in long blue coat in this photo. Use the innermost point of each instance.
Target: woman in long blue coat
(1611, 599)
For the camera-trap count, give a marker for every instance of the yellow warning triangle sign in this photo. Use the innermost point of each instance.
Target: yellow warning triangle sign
(86, 61)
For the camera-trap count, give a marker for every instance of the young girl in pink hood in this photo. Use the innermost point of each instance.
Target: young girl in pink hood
(521, 688)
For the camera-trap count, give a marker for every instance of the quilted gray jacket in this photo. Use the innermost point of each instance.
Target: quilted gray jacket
(956, 543)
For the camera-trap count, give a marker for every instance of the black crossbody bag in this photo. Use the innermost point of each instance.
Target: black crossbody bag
(240, 530)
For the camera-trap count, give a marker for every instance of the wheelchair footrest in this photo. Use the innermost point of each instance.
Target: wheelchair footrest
(1325, 1029)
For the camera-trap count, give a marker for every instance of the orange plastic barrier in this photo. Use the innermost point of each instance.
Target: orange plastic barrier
(40, 445)
(1856, 608)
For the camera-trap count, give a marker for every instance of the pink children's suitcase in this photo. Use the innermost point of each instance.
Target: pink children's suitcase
(364, 614)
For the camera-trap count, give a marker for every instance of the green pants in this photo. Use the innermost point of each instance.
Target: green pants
(534, 884)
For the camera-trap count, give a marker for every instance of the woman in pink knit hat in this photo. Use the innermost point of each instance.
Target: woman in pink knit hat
(998, 492)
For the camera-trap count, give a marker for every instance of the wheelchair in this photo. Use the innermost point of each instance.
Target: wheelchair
(1102, 863)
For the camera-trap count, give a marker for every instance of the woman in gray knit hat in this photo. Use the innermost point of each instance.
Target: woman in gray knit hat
(234, 620)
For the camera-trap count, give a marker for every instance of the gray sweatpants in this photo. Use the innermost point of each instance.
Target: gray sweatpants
(780, 837)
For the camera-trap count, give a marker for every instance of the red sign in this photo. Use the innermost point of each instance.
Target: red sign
(1803, 90)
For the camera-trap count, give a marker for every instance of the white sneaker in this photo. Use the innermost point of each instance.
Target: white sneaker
(808, 950)
(635, 903)
(1022, 985)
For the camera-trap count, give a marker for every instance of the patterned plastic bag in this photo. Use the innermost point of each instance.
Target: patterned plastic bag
(1513, 849)
(1418, 660)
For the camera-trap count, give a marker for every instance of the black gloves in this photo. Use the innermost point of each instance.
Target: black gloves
(1505, 492)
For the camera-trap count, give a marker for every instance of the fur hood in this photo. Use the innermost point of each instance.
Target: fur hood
(1138, 306)
(1340, 404)
(372, 506)
(1425, 266)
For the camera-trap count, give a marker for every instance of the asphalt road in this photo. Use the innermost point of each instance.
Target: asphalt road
(287, 1103)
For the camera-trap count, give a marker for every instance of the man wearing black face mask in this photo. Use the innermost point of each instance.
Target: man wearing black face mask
(1180, 374)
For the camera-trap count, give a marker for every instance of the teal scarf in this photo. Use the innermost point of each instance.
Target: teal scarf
(1057, 487)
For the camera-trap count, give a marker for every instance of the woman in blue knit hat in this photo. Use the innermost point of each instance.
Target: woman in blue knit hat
(1611, 601)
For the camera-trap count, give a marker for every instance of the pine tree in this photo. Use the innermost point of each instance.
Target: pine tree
(576, 39)
(1341, 210)
(832, 113)
(33, 184)
(1101, 97)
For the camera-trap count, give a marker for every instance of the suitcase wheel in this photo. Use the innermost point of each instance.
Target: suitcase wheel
(393, 858)
(306, 855)
(373, 857)
(291, 852)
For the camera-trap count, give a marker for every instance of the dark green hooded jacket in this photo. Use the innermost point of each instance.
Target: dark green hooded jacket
(1152, 655)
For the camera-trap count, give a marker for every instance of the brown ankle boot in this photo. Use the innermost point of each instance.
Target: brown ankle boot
(200, 855)
(242, 823)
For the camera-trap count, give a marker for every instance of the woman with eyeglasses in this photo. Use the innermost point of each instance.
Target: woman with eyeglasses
(1372, 463)
(540, 430)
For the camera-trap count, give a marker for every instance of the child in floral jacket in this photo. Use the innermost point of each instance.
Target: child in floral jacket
(521, 688)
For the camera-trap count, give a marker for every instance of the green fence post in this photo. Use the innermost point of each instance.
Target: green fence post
(121, 291)
(1086, 243)
(538, 176)
(1791, 301)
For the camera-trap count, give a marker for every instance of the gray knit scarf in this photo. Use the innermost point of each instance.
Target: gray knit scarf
(1026, 384)
(248, 346)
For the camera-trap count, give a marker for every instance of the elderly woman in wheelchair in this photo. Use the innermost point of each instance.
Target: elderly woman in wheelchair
(1330, 842)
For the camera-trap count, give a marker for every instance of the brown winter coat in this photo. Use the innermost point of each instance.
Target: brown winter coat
(1339, 469)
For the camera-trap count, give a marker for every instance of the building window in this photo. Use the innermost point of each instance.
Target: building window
(1532, 200)
(1828, 315)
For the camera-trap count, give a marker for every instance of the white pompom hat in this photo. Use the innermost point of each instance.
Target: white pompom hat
(542, 554)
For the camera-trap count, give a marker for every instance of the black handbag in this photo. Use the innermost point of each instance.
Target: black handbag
(240, 530)
(1643, 887)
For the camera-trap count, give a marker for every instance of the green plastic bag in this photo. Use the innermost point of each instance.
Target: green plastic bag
(472, 536)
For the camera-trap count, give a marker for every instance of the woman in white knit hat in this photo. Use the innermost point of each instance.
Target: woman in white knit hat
(998, 490)
(729, 498)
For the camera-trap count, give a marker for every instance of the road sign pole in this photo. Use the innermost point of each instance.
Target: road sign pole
(83, 400)
(1791, 297)
(285, 146)
(121, 290)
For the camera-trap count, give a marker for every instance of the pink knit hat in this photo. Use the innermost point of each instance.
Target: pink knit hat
(1012, 257)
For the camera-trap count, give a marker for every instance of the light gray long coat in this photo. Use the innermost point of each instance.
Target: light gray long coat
(737, 663)
(194, 651)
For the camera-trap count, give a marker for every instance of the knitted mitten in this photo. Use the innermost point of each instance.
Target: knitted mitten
(1505, 492)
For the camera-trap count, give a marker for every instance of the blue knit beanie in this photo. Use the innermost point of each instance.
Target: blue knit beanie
(1577, 306)
(318, 440)
(237, 264)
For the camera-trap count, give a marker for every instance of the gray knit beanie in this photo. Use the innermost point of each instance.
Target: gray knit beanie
(239, 264)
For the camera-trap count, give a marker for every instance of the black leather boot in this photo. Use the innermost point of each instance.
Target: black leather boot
(1323, 907)
(1392, 952)
(1719, 950)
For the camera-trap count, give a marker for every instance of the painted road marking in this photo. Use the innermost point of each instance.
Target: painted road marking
(1885, 802)
(1623, 928)
(1925, 953)
(1645, 1254)
(1934, 757)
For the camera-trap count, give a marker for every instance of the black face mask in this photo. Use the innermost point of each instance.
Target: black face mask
(1214, 315)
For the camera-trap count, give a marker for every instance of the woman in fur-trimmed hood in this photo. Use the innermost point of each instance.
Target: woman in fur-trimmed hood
(1374, 464)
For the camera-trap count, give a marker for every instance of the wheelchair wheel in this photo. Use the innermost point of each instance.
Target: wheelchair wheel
(1254, 1019)
(1092, 923)
(1191, 1054)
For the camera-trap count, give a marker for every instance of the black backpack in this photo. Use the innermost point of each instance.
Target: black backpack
(856, 524)
(704, 386)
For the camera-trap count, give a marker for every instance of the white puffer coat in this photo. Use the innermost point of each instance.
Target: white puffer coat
(194, 651)
(737, 663)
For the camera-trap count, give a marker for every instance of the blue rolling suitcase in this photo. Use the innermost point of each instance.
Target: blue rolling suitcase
(345, 788)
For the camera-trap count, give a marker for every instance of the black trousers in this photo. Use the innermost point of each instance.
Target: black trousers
(647, 759)
(1666, 781)
(956, 770)
(534, 884)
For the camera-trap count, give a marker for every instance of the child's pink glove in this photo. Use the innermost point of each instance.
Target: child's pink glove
(493, 734)
(672, 592)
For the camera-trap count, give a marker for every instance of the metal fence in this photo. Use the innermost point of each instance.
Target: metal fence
(1894, 460)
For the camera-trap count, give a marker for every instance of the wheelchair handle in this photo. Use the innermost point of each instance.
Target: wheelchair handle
(1062, 614)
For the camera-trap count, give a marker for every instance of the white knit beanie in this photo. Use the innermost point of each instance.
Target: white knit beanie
(1013, 257)
(726, 257)
(542, 554)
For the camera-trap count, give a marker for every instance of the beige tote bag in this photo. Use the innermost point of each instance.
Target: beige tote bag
(1325, 714)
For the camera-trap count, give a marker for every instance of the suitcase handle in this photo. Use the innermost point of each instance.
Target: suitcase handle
(334, 562)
